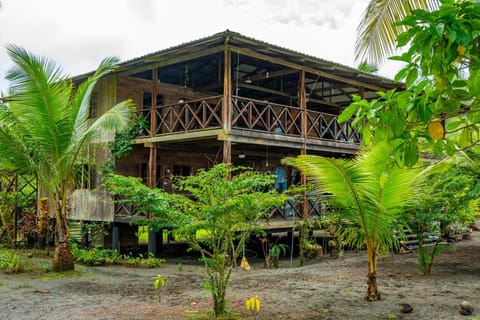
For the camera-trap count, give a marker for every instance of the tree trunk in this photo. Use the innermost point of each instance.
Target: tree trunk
(372, 291)
(63, 258)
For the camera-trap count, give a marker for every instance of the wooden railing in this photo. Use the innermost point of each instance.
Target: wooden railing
(185, 116)
(281, 119)
(247, 114)
(264, 116)
(295, 209)
(122, 209)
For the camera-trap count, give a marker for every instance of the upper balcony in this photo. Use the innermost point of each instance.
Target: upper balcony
(249, 117)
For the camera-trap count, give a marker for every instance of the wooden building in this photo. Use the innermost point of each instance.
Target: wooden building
(226, 98)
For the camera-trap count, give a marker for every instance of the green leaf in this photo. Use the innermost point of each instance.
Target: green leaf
(450, 147)
(438, 147)
(348, 113)
(403, 99)
(474, 82)
(401, 74)
(464, 138)
(411, 77)
(410, 156)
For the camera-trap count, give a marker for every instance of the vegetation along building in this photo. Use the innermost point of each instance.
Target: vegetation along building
(224, 98)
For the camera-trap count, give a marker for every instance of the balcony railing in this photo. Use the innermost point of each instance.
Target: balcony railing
(248, 114)
(185, 116)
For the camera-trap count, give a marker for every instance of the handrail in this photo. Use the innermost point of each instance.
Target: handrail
(249, 114)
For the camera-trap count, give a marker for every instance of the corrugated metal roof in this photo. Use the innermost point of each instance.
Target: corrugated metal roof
(267, 48)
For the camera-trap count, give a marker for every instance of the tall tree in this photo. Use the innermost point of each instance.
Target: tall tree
(439, 110)
(377, 31)
(370, 193)
(45, 130)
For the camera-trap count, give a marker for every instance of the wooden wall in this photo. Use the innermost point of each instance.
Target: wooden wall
(134, 88)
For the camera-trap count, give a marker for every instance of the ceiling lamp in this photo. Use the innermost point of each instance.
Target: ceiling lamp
(242, 155)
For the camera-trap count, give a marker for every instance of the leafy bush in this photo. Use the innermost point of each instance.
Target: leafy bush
(95, 256)
(10, 262)
(150, 261)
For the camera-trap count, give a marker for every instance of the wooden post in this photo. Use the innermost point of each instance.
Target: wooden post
(153, 111)
(303, 107)
(227, 151)
(227, 102)
(152, 159)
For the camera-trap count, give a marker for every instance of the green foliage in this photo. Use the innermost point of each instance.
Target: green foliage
(370, 192)
(24, 204)
(45, 129)
(158, 283)
(224, 202)
(439, 110)
(11, 262)
(148, 261)
(95, 256)
(123, 144)
(446, 202)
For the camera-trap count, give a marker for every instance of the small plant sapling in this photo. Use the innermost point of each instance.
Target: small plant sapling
(159, 283)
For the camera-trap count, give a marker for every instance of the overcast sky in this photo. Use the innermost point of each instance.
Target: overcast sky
(79, 34)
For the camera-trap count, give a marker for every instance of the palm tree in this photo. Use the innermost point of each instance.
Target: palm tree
(369, 192)
(44, 130)
(377, 34)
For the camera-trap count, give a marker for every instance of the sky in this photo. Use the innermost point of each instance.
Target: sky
(77, 35)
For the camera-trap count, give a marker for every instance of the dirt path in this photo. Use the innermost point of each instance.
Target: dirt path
(324, 289)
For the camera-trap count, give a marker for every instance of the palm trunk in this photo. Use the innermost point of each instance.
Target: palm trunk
(372, 291)
(62, 258)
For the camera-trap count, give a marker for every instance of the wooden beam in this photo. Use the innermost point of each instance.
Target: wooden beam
(157, 62)
(355, 83)
(179, 137)
(283, 141)
(271, 75)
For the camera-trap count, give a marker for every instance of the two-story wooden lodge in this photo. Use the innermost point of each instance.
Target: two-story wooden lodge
(226, 98)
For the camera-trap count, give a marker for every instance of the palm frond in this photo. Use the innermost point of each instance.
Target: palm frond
(116, 119)
(377, 34)
(41, 96)
(81, 102)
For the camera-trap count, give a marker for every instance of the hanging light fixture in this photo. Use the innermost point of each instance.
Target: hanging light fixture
(242, 155)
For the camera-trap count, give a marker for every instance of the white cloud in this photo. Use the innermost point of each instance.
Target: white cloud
(79, 34)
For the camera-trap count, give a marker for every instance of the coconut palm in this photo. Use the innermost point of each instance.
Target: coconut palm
(369, 192)
(377, 34)
(45, 130)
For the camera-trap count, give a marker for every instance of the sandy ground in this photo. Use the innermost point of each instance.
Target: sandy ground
(326, 288)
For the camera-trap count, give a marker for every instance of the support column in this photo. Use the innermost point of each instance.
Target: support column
(227, 151)
(152, 160)
(227, 102)
(115, 236)
(153, 113)
(152, 243)
(303, 107)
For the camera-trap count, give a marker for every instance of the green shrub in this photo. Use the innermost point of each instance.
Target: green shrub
(149, 261)
(10, 262)
(95, 256)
